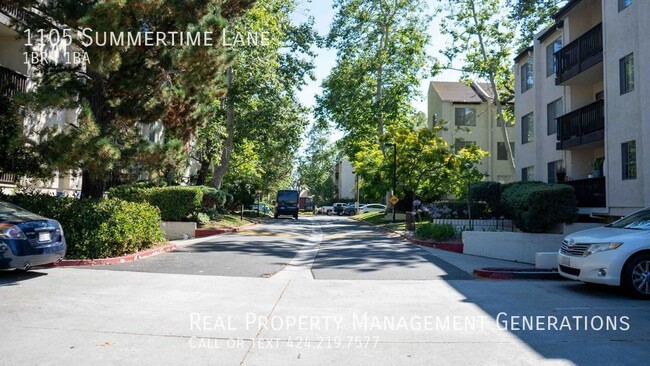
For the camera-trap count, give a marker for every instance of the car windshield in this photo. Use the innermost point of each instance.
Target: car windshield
(635, 221)
(287, 197)
(9, 212)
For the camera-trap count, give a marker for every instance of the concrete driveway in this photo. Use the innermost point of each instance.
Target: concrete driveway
(327, 302)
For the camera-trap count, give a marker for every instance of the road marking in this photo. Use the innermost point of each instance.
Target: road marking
(300, 265)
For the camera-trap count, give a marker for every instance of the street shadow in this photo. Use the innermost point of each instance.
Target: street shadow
(15, 277)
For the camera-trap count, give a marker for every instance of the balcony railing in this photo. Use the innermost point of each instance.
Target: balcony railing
(590, 192)
(15, 12)
(582, 126)
(7, 178)
(580, 54)
(11, 82)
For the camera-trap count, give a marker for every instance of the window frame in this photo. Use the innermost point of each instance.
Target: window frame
(625, 66)
(552, 177)
(557, 112)
(628, 160)
(504, 150)
(528, 68)
(551, 67)
(528, 125)
(456, 122)
(624, 4)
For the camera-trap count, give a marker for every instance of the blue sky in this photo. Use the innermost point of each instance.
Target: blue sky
(323, 14)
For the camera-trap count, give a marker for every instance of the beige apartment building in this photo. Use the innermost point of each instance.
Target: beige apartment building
(16, 72)
(345, 180)
(583, 100)
(470, 119)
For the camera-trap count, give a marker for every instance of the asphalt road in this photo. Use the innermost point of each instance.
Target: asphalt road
(330, 299)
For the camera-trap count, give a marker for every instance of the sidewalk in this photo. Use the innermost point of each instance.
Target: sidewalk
(469, 263)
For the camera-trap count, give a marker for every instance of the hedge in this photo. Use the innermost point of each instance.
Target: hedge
(97, 228)
(176, 203)
(488, 192)
(437, 232)
(535, 206)
(458, 210)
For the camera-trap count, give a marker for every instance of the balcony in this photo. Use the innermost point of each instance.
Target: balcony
(15, 12)
(590, 192)
(11, 82)
(582, 126)
(580, 55)
(7, 178)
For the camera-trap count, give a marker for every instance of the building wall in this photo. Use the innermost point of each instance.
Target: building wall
(486, 133)
(346, 182)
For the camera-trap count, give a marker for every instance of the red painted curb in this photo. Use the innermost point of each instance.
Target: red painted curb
(115, 260)
(493, 275)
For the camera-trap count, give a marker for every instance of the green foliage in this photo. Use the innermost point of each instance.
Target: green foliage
(437, 232)
(202, 218)
(535, 206)
(176, 203)
(97, 228)
(488, 192)
(459, 210)
(531, 16)
(315, 168)
(213, 198)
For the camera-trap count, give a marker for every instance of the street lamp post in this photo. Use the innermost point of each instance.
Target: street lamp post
(258, 194)
(394, 172)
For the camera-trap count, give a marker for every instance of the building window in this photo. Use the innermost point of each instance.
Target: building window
(623, 4)
(465, 117)
(553, 168)
(628, 158)
(461, 144)
(528, 174)
(626, 73)
(527, 77)
(502, 152)
(551, 62)
(527, 128)
(553, 110)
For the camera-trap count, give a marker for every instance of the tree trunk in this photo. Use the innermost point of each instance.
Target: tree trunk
(91, 186)
(496, 101)
(226, 150)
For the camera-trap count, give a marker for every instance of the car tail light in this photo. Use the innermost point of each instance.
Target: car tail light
(8, 231)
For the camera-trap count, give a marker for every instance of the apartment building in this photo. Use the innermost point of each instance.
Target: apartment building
(16, 75)
(470, 119)
(583, 105)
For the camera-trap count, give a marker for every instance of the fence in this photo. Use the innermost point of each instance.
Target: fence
(478, 225)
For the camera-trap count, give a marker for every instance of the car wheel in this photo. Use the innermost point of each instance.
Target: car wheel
(636, 276)
(295, 216)
(353, 212)
(275, 216)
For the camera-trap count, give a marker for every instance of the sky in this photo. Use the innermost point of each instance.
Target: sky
(323, 14)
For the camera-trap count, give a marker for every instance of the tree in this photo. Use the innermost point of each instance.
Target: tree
(380, 57)
(315, 168)
(426, 165)
(480, 33)
(126, 85)
(261, 105)
(531, 16)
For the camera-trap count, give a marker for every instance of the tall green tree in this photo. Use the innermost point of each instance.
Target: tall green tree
(315, 167)
(483, 38)
(126, 85)
(531, 16)
(380, 58)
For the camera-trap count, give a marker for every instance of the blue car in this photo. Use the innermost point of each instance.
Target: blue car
(28, 240)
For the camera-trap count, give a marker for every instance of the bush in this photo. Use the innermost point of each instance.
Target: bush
(437, 232)
(176, 203)
(535, 206)
(488, 192)
(134, 192)
(213, 199)
(458, 210)
(97, 228)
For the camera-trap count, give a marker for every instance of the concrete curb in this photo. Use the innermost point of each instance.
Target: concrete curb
(209, 232)
(116, 260)
(172, 245)
(517, 274)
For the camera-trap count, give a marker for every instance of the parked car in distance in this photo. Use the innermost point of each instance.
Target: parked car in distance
(325, 210)
(350, 209)
(287, 203)
(262, 207)
(28, 240)
(372, 207)
(617, 254)
(338, 208)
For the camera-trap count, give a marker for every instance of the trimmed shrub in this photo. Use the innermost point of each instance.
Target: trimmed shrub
(488, 192)
(176, 203)
(535, 206)
(134, 192)
(437, 232)
(213, 198)
(97, 228)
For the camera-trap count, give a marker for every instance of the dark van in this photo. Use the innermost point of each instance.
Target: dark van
(287, 203)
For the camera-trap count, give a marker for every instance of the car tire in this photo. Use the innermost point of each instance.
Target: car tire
(295, 216)
(275, 216)
(635, 277)
(353, 212)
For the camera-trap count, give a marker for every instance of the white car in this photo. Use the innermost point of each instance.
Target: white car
(617, 254)
(373, 207)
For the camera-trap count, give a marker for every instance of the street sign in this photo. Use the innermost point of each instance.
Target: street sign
(394, 200)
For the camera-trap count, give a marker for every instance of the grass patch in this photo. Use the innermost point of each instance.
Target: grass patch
(227, 222)
(374, 218)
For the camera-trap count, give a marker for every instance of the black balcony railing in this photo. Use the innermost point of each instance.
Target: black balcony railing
(590, 192)
(11, 82)
(582, 126)
(580, 54)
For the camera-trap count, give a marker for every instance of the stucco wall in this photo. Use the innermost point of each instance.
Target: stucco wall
(518, 247)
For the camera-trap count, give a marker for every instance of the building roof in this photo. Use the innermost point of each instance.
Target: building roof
(566, 9)
(457, 92)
